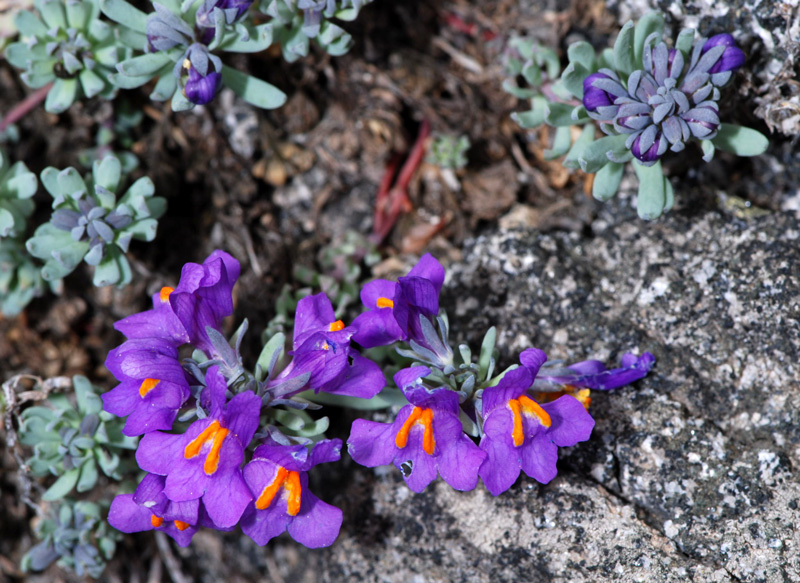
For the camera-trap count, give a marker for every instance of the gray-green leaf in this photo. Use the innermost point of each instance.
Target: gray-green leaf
(607, 180)
(583, 141)
(647, 25)
(62, 486)
(595, 156)
(254, 91)
(561, 143)
(652, 191)
(740, 140)
(624, 54)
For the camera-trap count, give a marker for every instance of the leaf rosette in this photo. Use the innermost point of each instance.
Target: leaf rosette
(89, 223)
(69, 46)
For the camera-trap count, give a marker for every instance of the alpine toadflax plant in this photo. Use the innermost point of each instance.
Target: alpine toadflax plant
(297, 22)
(648, 97)
(20, 279)
(89, 223)
(223, 446)
(245, 457)
(178, 43)
(69, 46)
(672, 100)
(519, 423)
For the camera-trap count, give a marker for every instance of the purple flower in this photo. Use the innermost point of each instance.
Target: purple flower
(425, 437)
(148, 508)
(649, 145)
(160, 322)
(377, 327)
(200, 89)
(395, 308)
(152, 387)
(592, 374)
(206, 460)
(520, 434)
(240, 6)
(277, 477)
(714, 59)
(127, 516)
(600, 91)
(233, 10)
(732, 57)
(203, 297)
(322, 349)
(198, 71)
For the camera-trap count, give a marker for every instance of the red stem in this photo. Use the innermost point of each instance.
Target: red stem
(22, 108)
(415, 157)
(393, 200)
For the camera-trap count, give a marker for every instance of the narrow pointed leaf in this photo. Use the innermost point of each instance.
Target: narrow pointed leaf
(583, 141)
(144, 65)
(559, 114)
(624, 56)
(62, 486)
(647, 25)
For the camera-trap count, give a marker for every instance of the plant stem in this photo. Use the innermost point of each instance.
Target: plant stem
(23, 107)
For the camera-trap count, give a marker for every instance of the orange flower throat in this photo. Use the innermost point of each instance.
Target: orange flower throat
(425, 418)
(290, 481)
(385, 303)
(525, 405)
(214, 434)
(147, 386)
(164, 294)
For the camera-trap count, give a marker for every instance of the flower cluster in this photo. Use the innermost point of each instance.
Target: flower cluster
(669, 101)
(222, 446)
(217, 471)
(519, 417)
(644, 95)
(178, 42)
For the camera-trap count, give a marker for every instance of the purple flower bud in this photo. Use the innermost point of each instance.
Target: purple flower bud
(201, 89)
(600, 92)
(241, 6)
(703, 120)
(165, 30)
(732, 58)
(233, 9)
(665, 63)
(633, 116)
(594, 97)
(649, 146)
